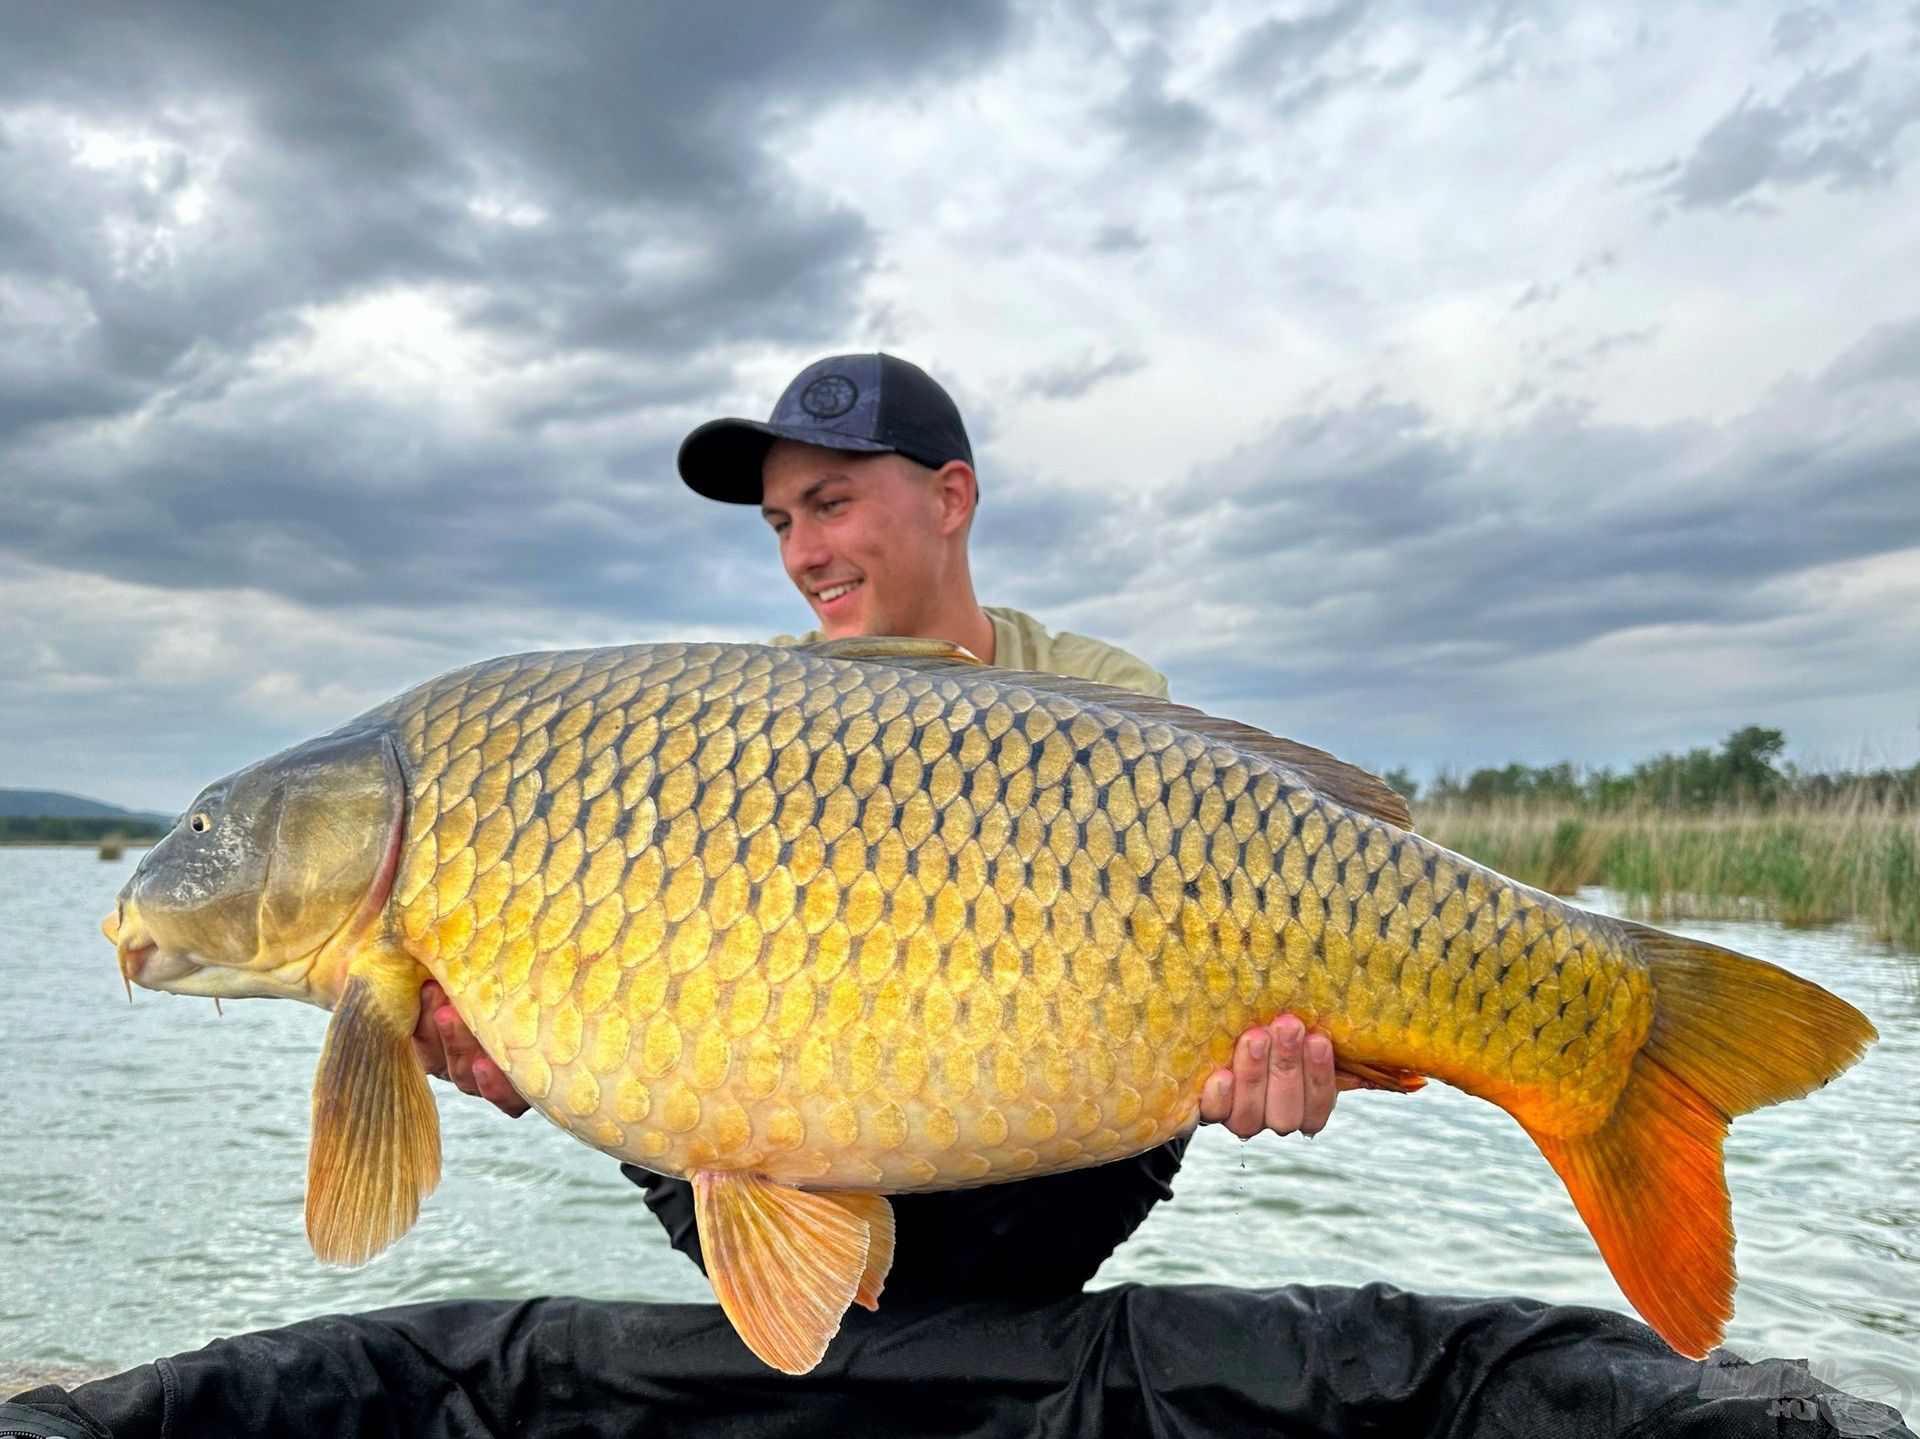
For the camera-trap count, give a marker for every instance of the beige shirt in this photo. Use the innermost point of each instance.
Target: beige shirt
(1020, 642)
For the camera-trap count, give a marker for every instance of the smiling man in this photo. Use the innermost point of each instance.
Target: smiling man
(865, 475)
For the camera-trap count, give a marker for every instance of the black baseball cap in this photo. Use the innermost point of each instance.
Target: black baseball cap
(870, 404)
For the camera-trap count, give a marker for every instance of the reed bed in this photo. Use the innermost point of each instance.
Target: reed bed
(1850, 859)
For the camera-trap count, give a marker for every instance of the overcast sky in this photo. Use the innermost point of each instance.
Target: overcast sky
(1440, 384)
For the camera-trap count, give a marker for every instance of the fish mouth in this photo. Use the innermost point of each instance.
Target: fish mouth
(132, 945)
(141, 959)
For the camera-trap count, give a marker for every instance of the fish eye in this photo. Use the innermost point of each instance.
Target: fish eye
(201, 822)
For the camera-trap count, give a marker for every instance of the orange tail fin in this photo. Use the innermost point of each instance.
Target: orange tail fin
(1730, 1034)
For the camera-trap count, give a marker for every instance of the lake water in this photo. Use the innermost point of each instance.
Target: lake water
(152, 1164)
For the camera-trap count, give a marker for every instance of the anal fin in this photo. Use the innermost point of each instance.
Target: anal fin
(786, 1263)
(1382, 1076)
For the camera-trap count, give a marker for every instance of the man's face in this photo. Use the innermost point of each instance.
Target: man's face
(863, 537)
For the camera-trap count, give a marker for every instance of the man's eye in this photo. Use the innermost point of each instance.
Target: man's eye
(827, 506)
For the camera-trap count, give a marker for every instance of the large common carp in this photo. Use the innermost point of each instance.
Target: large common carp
(812, 926)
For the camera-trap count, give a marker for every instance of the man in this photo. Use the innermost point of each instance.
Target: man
(865, 475)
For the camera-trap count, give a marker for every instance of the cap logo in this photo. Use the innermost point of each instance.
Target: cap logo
(829, 397)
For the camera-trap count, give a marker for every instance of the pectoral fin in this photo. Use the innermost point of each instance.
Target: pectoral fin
(375, 1149)
(786, 1263)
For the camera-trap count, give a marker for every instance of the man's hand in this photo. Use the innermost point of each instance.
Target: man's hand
(1282, 1078)
(448, 1051)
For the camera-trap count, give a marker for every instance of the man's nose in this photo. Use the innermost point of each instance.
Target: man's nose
(805, 548)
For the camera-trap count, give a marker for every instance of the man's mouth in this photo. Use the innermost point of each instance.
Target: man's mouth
(832, 593)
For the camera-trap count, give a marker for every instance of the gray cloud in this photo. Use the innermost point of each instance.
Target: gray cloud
(594, 189)
(1073, 378)
(1277, 51)
(1832, 126)
(1796, 29)
(381, 520)
(1887, 355)
(1151, 122)
(1372, 547)
(1537, 292)
(1115, 238)
(633, 142)
(1293, 61)
(1577, 354)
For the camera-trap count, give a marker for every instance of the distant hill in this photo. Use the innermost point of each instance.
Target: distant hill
(52, 804)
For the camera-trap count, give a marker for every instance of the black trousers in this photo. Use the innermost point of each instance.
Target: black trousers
(1158, 1361)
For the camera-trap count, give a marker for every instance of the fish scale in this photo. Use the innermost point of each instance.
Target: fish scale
(852, 926)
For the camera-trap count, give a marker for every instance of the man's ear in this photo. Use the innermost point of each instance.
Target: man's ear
(958, 490)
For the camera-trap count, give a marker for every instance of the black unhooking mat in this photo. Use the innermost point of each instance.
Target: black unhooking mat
(1155, 1360)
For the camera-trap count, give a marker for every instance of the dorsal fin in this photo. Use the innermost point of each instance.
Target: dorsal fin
(1336, 779)
(891, 648)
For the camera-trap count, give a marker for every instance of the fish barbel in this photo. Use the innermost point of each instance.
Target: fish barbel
(812, 926)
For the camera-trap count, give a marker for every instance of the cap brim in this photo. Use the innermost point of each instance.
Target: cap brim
(722, 458)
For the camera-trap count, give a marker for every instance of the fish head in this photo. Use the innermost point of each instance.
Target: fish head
(271, 878)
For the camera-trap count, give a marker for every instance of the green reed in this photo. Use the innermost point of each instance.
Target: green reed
(1849, 859)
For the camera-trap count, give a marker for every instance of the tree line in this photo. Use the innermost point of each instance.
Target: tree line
(1746, 769)
(73, 829)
